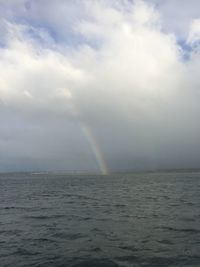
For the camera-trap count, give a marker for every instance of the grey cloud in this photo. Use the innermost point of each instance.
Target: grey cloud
(135, 93)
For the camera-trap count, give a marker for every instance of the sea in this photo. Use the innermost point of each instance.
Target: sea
(149, 219)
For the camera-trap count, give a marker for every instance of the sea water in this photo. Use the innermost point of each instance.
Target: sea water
(141, 219)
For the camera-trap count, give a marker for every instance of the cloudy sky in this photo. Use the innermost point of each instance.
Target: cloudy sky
(99, 85)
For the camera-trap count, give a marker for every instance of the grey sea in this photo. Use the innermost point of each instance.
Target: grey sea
(141, 219)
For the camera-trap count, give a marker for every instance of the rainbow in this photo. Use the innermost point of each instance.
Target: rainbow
(95, 148)
(87, 132)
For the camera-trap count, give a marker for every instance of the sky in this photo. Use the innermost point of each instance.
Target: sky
(99, 85)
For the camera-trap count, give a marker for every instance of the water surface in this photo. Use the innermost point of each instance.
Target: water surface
(146, 219)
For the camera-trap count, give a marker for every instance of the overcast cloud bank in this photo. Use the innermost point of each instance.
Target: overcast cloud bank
(116, 68)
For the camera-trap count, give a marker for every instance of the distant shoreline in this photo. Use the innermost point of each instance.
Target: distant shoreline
(178, 170)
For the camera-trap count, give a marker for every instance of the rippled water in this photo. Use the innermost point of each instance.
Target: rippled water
(150, 219)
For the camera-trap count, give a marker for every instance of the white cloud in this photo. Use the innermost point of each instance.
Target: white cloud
(177, 15)
(29, 70)
(126, 79)
(194, 33)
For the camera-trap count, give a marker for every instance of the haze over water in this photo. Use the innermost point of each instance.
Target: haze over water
(144, 219)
